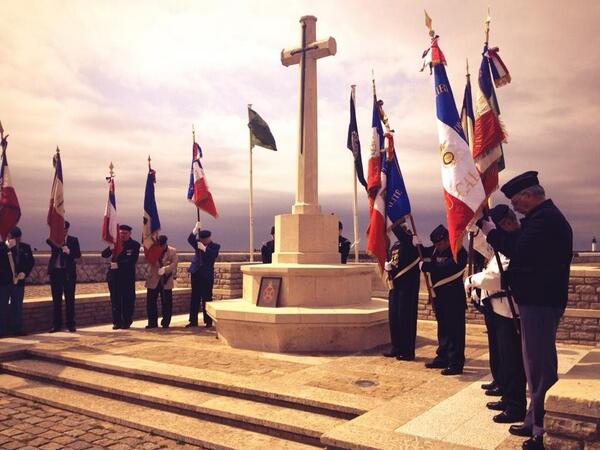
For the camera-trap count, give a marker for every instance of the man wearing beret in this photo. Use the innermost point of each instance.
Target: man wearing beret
(16, 262)
(161, 281)
(62, 270)
(403, 271)
(503, 338)
(267, 250)
(202, 270)
(121, 278)
(343, 244)
(449, 304)
(538, 274)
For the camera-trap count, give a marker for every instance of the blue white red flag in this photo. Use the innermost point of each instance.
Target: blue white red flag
(467, 117)
(110, 224)
(56, 208)
(151, 227)
(198, 192)
(397, 203)
(463, 191)
(488, 131)
(10, 211)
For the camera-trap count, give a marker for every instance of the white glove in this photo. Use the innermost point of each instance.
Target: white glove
(66, 250)
(201, 246)
(161, 271)
(11, 243)
(114, 265)
(111, 246)
(387, 266)
(21, 276)
(474, 295)
(416, 241)
(487, 226)
(468, 283)
(197, 227)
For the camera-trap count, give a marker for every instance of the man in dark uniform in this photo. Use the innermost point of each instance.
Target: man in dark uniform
(343, 244)
(62, 270)
(403, 272)
(267, 250)
(450, 302)
(121, 278)
(16, 262)
(202, 270)
(538, 274)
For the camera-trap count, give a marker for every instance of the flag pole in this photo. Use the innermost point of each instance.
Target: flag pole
(193, 144)
(251, 200)
(9, 252)
(355, 197)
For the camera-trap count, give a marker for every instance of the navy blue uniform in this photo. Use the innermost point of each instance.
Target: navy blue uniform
(202, 270)
(62, 270)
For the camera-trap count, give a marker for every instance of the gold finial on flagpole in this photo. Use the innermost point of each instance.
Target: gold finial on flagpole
(488, 19)
(429, 24)
(468, 74)
(111, 171)
(1, 130)
(193, 134)
(57, 150)
(149, 161)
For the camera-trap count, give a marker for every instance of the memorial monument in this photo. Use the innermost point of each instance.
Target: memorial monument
(322, 305)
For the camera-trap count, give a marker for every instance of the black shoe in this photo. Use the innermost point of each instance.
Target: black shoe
(117, 327)
(126, 327)
(497, 406)
(436, 365)
(534, 443)
(451, 371)
(209, 325)
(191, 325)
(496, 392)
(165, 326)
(405, 358)
(72, 329)
(54, 330)
(391, 354)
(491, 385)
(509, 417)
(148, 327)
(520, 430)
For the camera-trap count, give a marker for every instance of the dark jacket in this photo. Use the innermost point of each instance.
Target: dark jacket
(441, 266)
(402, 254)
(344, 248)
(540, 256)
(126, 259)
(203, 262)
(266, 252)
(69, 262)
(23, 261)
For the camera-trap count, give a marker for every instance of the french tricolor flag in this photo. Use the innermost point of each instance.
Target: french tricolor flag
(463, 191)
(56, 207)
(10, 211)
(198, 192)
(110, 224)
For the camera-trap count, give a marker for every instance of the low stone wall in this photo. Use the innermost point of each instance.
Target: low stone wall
(572, 419)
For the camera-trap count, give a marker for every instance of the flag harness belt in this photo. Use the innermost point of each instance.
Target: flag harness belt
(407, 268)
(447, 280)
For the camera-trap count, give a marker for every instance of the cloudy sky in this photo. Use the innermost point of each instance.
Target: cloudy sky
(117, 81)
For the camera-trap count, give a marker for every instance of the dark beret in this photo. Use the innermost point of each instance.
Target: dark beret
(162, 239)
(273, 230)
(125, 227)
(520, 182)
(499, 212)
(439, 233)
(67, 225)
(16, 232)
(204, 234)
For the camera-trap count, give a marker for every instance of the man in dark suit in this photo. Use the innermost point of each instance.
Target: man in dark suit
(267, 250)
(121, 278)
(450, 302)
(62, 270)
(403, 272)
(343, 244)
(538, 274)
(202, 270)
(16, 262)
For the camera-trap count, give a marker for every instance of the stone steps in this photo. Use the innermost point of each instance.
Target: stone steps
(181, 427)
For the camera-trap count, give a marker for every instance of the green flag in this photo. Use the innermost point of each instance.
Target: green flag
(260, 134)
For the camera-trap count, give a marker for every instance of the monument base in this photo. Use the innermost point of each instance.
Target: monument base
(242, 324)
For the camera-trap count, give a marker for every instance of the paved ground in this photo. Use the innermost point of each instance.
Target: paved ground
(413, 402)
(43, 290)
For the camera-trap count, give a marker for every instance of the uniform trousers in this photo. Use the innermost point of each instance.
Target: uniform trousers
(62, 283)
(449, 308)
(488, 317)
(166, 302)
(403, 305)
(538, 341)
(11, 308)
(202, 288)
(122, 297)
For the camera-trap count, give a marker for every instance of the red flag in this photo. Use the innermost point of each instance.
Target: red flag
(10, 212)
(56, 208)
(110, 224)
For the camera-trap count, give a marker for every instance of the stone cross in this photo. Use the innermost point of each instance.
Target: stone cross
(307, 193)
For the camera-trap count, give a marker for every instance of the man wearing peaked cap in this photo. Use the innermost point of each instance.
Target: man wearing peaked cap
(449, 304)
(202, 271)
(121, 277)
(538, 273)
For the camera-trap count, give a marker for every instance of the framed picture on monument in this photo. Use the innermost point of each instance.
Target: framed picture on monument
(268, 293)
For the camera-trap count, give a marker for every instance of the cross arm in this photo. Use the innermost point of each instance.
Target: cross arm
(316, 50)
